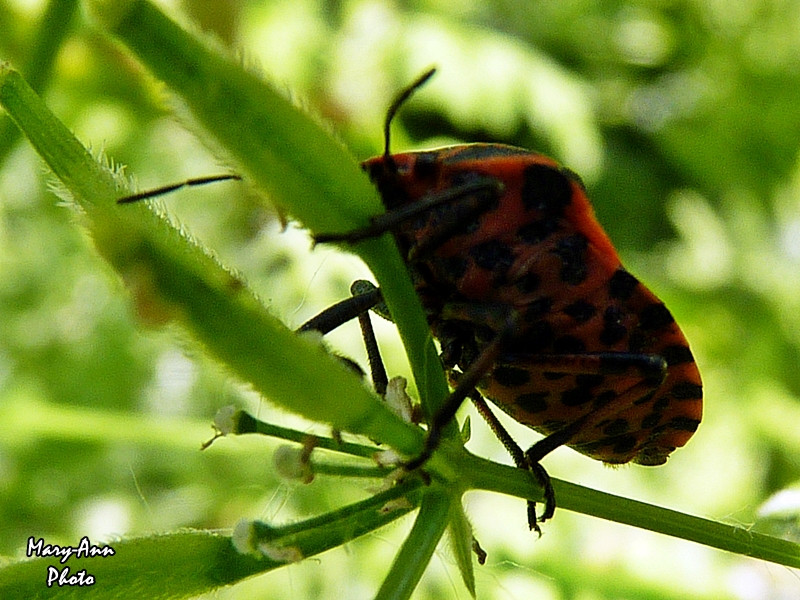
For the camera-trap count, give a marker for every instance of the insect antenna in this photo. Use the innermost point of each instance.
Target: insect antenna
(394, 107)
(166, 189)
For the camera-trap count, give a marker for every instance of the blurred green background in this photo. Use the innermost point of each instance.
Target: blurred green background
(683, 117)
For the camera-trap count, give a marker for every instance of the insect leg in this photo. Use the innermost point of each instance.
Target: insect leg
(518, 456)
(646, 371)
(621, 364)
(166, 189)
(467, 382)
(466, 387)
(365, 296)
(482, 190)
(380, 380)
(342, 312)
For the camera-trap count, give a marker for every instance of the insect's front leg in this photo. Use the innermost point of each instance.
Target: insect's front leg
(365, 296)
(466, 201)
(343, 311)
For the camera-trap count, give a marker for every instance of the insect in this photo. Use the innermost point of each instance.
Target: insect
(530, 304)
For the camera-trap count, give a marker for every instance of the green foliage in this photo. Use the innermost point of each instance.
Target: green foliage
(682, 119)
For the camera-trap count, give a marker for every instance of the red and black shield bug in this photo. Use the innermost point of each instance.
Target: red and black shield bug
(531, 304)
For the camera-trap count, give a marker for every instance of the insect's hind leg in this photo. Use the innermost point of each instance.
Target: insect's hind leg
(649, 369)
(521, 460)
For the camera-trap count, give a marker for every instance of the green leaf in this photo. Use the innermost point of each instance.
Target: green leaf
(171, 277)
(306, 171)
(198, 561)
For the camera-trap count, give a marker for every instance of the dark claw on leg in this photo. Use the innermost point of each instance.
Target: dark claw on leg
(549, 498)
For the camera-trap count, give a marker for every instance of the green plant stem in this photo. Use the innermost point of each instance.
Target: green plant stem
(315, 535)
(244, 423)
(412, 560)
(491, 476)
(54, 26)
(338, 469)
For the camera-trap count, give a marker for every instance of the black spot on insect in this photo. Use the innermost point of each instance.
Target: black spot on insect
(538, 337)
(658, 429)
(613, 329)
(684, 424)
(653, 381)
(677, 355)
(638, 341)
(616, 427)
(624, 444)
(655, 316)
(528, 283)
(534, 402)
(568, 344)
(510, 376)
(426, 165)
(651, 420)
(545, 190)
(686, 390)
(622, 285)
(537, 231)
(580, 310)
(644, 399)
(572, 252)
(538, 308)
(604, 398)
(551, 376)
(455, 266)
(493, 255)
(576, 396)
(661, 404)
(586, 380)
